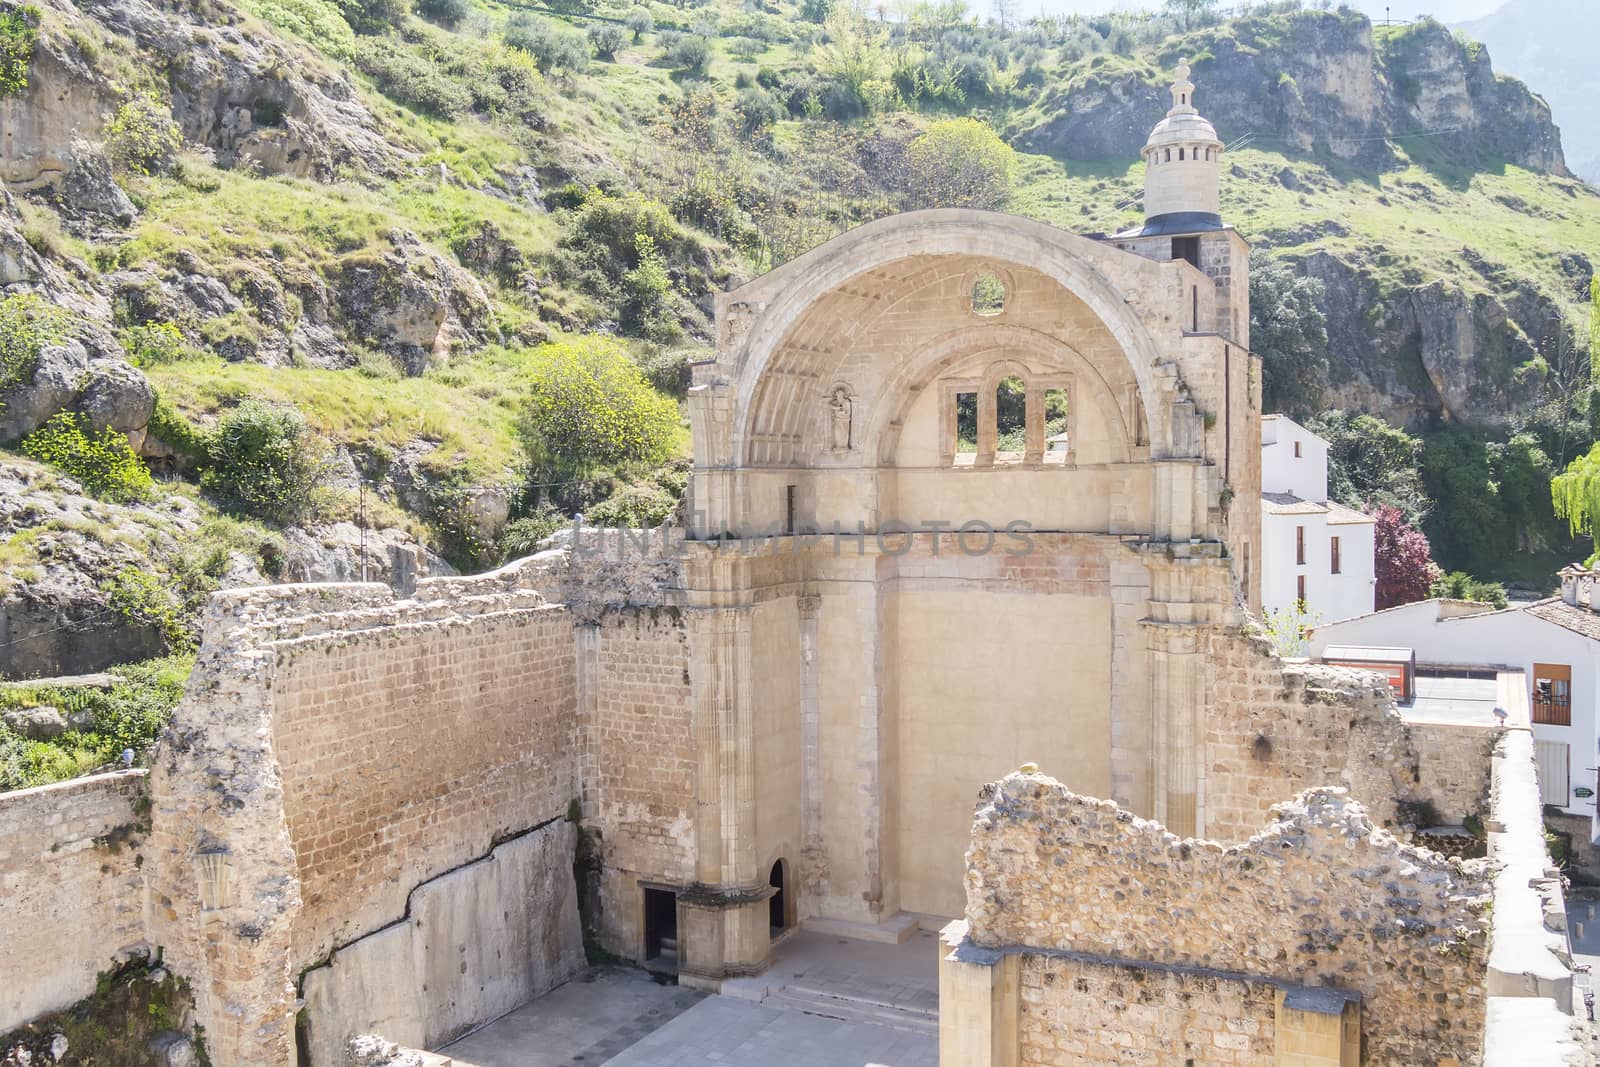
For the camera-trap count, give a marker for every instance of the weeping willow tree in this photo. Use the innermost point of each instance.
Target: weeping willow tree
(1575, 492)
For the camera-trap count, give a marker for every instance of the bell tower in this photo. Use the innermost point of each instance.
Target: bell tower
(1183, 215)
(1182, 164)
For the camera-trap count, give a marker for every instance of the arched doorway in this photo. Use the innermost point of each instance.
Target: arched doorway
(777, 904)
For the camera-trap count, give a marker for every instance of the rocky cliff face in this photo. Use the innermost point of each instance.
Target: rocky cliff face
(1432, 351)
(1317, 83)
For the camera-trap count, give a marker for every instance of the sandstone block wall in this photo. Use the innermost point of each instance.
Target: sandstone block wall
(1453, 769)
(406, 750)
(475, 943)
(1275, 729)
(1086, 1013)
(644, 757)
(71, 892)
(1319, 897)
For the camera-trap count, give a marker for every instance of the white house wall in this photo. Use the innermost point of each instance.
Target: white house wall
(1329, 596)
(1510, 638)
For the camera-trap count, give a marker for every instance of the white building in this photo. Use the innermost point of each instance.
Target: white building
(1555, 642)
(1312, 550)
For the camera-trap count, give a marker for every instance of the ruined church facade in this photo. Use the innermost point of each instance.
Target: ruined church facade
(897, 596)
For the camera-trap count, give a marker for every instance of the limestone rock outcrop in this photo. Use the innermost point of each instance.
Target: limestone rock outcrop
(1326, 87)
(254, 100)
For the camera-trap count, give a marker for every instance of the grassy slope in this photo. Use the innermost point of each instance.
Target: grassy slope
(1408, 226)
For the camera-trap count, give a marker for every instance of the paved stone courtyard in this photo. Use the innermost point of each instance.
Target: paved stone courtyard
(825, 1002)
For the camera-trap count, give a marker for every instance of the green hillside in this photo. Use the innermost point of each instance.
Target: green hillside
(398, 221)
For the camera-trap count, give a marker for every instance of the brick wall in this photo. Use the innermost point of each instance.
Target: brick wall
(71, 892)
(1085, 1013)
(409, 749)
(1319, 897)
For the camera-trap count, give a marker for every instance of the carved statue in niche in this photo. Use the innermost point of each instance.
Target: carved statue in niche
(839, 409)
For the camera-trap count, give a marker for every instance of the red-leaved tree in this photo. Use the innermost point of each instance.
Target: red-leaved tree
(1404, 562)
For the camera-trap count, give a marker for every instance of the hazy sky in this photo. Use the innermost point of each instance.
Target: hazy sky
(1443, 10)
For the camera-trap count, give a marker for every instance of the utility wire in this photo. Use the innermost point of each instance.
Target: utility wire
(57, 629)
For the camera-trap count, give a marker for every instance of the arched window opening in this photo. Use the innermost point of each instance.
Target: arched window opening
(1180, 155)
(966, 423)
(778, 903)
(988, 295)
(1057, 420)
(1168, 152)
(1010, 420)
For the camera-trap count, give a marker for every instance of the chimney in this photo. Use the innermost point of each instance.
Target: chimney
(1577, 586)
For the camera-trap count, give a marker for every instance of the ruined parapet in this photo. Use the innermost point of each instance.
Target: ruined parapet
(1276, 727)
(1094, 902)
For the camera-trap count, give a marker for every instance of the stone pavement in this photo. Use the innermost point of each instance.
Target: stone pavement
(825, 1002)
(581, 1024)
(730, 1032)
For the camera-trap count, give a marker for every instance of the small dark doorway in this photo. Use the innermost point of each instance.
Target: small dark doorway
(661, 929)
(777, 904)
(1187, 248)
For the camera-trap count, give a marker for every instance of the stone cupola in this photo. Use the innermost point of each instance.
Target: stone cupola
(1183, 162)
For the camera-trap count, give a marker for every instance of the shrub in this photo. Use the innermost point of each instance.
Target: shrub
(633, 507)
(102, 462)
(640, 23)
(153, 343)
(551, 47)
(315, 21)
(19, 29)
(690, 52)
(667, 369)
(27, 325)
(757, 110)
(1459, 585)
(142, 137)
(521, 537)
(747, 48)
(648, 292)
(264, 462)
(372, 17)
(411, 80)
(591, 407)
(129, 715)
(607, 39)
(960, 163)
(447, 13)
(140, 596)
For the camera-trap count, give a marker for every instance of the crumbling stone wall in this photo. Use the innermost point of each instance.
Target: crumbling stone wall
(1319, 897)
(1080, 1012)
(336, 740)
(1274, 729)
(71, 893)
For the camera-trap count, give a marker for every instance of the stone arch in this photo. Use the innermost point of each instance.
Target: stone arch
(880, 434)
(991, 238)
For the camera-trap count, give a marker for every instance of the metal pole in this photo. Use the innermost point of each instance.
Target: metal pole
(361, 521)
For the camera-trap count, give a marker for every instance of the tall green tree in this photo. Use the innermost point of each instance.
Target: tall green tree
(1371, 463)
(1575, 494)
(1289, 331)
